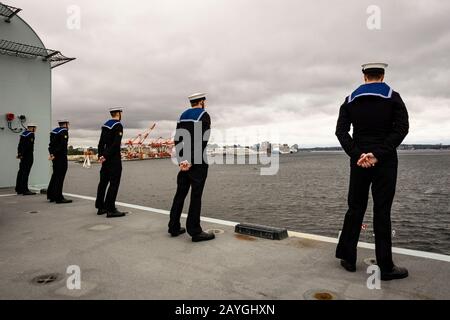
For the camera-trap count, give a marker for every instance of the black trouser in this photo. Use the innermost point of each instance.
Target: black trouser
(195, 177)
(383, 180)
(55, 187)
(22, 176)
(110, 173)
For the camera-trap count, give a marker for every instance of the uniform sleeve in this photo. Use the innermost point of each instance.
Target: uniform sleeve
(21, 146)
(206, 128)
(58, 143)
(117, 141)
(51, 145)
(400, 128)
(342, 133)
(206, 120)
(101, 143)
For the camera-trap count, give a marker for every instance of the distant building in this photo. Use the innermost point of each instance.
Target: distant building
(25, 90)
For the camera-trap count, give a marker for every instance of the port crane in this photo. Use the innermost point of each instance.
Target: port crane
(138, 149)
(163, 147)
(135, 145)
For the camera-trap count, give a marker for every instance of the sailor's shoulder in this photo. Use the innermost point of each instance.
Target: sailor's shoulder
(58, 130)
(395, 95)
(26, 133)
(397, 98)
(205, 114)
(378, 89)
(192, 114)
(111, 124)
(186, 113)
(205, 117)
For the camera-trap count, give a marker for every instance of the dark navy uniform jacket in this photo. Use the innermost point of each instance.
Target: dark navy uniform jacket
(379, 119)
(59, 138)
(111, 140)
(197, 122)
(26, 144)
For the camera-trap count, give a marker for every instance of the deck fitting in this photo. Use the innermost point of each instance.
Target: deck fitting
(260, 231)
(320, 294)
(46, 278)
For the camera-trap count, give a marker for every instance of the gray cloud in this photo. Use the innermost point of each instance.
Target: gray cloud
(283, 65)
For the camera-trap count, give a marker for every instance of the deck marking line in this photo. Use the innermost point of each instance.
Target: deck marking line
(408, 252)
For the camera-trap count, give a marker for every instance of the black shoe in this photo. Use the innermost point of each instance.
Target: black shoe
(101, 211)
(177, 233)
(64, 200)
(19, 193)
(395, 273)
(51, 200)
(348, 266)
(203, 236)
(29, 193)
(115, 214)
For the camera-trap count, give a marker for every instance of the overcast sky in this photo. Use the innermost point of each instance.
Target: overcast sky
(273, 69)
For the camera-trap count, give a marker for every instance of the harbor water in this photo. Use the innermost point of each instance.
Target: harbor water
(308, 194)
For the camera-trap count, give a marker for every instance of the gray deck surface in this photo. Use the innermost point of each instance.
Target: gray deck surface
(134, 258)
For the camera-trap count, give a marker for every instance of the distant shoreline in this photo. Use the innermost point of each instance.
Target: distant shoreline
(403, 147)
(399, 152)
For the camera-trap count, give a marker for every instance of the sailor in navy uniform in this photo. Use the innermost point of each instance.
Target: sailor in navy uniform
(191, 139)
(57, 148)
(25, 154)
(380, 123)
(111, 171)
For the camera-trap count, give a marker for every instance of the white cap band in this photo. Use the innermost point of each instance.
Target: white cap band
(374, 65)
(116, 109)
(197, 96)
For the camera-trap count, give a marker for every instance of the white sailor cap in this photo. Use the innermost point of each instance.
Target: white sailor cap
(32, 125)
(197, 96)
(63, 121)
(374, 66)
(116, 109)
